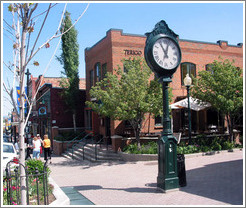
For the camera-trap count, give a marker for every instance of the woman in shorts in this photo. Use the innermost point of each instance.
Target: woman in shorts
(36, 148)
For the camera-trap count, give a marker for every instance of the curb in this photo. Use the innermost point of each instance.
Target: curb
(61, 197)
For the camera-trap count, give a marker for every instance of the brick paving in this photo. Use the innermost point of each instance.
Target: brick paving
(211, 180)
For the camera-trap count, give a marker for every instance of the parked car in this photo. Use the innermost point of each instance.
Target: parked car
(9, 153)
(6, 138)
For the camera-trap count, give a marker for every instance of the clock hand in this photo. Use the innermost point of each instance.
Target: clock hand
(165, 51)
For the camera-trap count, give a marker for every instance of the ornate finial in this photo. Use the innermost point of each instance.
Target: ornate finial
(161, 28)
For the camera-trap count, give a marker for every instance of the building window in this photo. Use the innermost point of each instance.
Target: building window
(104, 70)
(209, 67)
(91, 78)
(98, 71)
(88, 121)
(189, 68)
(158, 120)
(125, 66)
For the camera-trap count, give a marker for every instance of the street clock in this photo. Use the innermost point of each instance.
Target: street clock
(162, 51)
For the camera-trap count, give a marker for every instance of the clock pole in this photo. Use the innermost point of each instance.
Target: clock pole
(167, 145)
(156, 53)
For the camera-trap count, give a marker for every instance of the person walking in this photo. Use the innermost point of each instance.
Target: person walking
(36, 148)
(29, 148)
(41, 141)
(47, 151)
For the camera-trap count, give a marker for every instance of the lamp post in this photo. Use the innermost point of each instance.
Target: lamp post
(187, 83)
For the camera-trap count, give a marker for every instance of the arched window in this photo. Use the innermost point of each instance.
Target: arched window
(189, 68)
(98, 71)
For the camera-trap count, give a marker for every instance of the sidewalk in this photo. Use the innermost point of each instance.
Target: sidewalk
(211, 180)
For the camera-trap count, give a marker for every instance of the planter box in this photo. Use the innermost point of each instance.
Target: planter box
(138, 157)
(60, 146)
(61, 198)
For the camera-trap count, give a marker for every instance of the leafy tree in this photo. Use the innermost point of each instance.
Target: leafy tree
(222, 86)
(70, 61)
(25, 31)
(128, 95)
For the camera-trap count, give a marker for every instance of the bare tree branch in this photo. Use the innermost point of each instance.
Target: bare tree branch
(10, 93)
(56, 36)
(11, 27)
(34, 45)
(44, 11)
(8, 67)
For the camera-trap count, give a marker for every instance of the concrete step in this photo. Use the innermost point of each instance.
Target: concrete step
(103, 153)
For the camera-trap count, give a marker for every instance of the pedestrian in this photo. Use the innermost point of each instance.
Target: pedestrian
(47, 150)
(17, 145)
(29, 148)
(36, 148)
(41, 141)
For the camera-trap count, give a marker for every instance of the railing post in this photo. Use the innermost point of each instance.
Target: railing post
(8, 185)
(36, 174)
(27, 187)
(17, 185)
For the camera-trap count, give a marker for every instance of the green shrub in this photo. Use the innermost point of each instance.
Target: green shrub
(205, 148)
(59, 138)
(187, 149)
(216, 146)
(227, 145)
(150, 148)
(32, 164)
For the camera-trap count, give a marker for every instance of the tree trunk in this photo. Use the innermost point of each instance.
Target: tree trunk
(230, 127)
(137, 134)
(22, 119)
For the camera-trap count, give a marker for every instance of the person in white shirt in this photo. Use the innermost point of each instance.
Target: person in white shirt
(17, 145)
(36, 148)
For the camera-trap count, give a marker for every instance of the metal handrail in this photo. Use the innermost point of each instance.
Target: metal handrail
(74, 139)
(81, 141)
(96, 143)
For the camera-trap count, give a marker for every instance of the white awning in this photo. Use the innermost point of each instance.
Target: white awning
(194, 104)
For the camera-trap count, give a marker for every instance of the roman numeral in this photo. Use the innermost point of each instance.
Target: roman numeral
(157, 58)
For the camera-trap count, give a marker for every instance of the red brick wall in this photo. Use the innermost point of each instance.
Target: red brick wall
(112, 49)
(59, 109)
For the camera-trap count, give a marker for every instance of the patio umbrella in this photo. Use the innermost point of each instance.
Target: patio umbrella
(195, 104)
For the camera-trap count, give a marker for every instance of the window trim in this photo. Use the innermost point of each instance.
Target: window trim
(188, 69)
(98, 71)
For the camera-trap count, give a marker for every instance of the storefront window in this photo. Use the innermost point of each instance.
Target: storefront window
(158, 121)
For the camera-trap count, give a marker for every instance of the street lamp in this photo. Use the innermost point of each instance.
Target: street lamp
(187, 83)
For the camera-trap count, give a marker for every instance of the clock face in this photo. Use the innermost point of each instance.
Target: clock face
(166, 53)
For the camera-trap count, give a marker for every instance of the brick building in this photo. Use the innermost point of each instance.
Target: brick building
(50, 109)
(107, 54)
